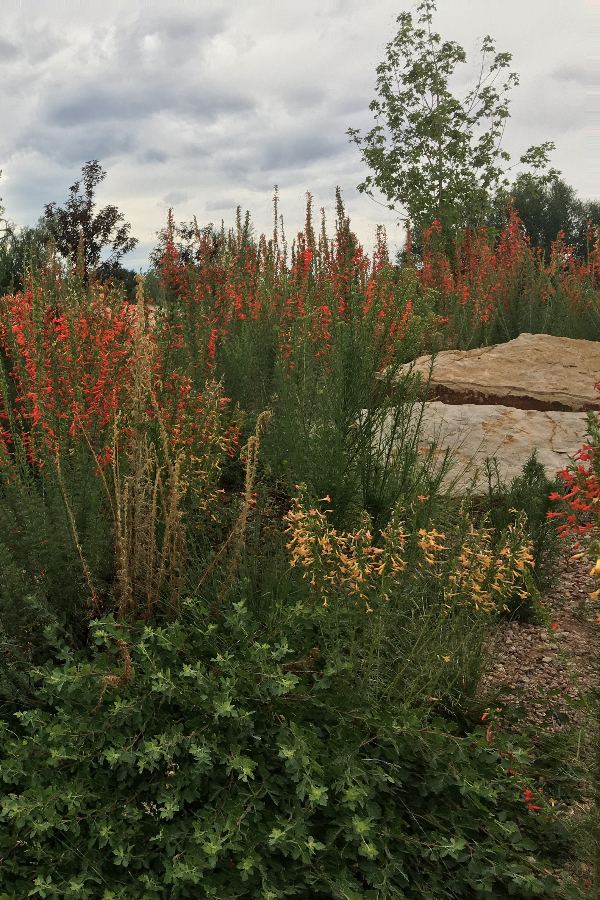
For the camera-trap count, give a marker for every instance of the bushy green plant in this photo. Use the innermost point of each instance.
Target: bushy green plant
(102, 452)
(406, 610)
(292, 748)
(321, 341)
(20, 248)
(44, 597)
(528, 493)
(214, 759)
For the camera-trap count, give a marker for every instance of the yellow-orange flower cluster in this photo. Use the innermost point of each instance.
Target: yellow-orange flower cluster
(471, 570)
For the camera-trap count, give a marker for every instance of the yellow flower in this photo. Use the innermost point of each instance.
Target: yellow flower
(596, 569)
(446, 658)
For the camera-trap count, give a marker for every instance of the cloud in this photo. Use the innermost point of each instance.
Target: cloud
(207, 106)
(8, 51)
(175, 197)
(219, 205)
(571, 73)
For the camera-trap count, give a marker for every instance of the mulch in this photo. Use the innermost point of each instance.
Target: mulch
(555, 663)
(552, 672)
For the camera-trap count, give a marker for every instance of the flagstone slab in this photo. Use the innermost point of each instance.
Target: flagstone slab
(476, 431)
(532, 372)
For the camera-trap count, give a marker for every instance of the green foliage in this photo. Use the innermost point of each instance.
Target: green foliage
(77, 228)
(405, 612)
(528, 493)
(44, 598)
(201, 760)
(492, 288)
(547, 209)
(351, 430)
(266, 744)
(20, 249)
(126, 278)
(431, 155)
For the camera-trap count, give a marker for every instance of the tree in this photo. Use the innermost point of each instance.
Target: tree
(76, 223)
(431, 154)
(19, 249)
(547, 209)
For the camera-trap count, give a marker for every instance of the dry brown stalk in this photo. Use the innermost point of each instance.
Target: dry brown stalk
(117, 680)
(302, 665)
(249, 456)
(143, 497)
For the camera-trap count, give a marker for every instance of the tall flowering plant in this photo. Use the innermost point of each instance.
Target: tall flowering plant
(405, 610)
(106, 458)
(313, 331)
(580, 498)
(214, 300)
(492, 289)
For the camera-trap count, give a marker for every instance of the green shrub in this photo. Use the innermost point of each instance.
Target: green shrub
(528, 493)
(43, 593)
(218, 760)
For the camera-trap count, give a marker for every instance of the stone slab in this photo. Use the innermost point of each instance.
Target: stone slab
(476, 431)
(534, 371)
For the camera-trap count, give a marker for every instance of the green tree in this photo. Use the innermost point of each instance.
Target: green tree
(547, 209)
(430, 152)
(20, 248)
(76, 223)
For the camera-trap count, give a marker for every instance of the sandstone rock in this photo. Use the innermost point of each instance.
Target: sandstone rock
(534, 372)
(474, 432)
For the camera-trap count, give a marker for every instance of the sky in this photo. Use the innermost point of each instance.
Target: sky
(203, 106)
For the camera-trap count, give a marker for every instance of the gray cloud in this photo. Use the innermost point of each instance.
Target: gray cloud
(175, 197)
(206, 107)
(8, 51)
(222, 204)
(573, 73)
(298, 151)
(129, 104)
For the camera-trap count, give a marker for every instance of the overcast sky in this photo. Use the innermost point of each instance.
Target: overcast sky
(206, 105)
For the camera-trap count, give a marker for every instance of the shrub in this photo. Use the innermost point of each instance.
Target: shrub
(406, 611)
(102, 452)
(528, 494)
(216, 759)
(319, 340)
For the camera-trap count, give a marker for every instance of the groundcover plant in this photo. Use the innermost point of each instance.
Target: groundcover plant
(211, 761)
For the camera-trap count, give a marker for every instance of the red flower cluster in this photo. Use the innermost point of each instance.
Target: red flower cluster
(71, 363)
(529, 798)
(250, 284)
